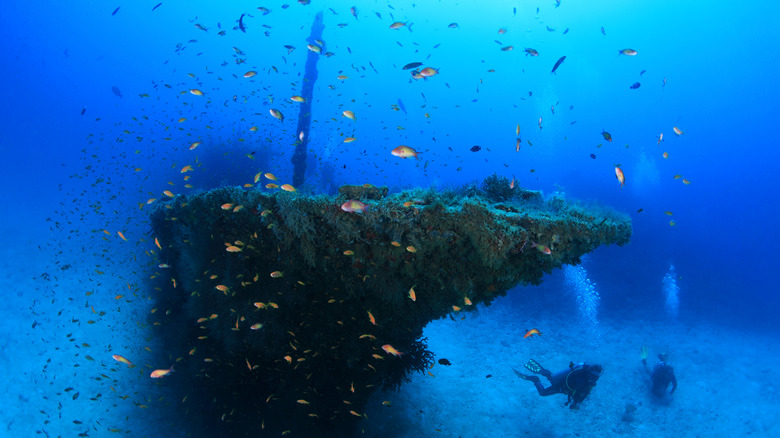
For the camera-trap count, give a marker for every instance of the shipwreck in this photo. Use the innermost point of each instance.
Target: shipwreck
(280, 307)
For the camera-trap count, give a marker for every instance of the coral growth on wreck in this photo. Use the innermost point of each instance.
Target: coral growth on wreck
(285, 303)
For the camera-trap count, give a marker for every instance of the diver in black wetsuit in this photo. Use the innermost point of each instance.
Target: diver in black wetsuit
(576, 382)
(662, 375)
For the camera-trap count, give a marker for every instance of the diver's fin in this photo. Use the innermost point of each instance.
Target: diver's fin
(525, 377)
(644, 352)
(533, 366)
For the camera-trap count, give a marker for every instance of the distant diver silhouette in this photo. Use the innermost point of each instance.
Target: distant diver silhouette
(576, 382)
(662, 374)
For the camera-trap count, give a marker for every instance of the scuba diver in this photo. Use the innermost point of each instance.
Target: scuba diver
(576, 382)
(662, 374)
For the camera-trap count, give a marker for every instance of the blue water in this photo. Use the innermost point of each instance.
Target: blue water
(709, 69)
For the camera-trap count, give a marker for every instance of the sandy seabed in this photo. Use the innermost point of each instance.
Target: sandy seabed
(726, 385)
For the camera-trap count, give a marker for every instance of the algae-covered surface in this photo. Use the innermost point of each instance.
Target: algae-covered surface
(288, 303)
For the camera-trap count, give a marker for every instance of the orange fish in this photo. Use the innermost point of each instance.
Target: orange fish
(187, 168)
(276, 274)
(232, 248)
(156, 374)
(194, 145)
(428, 72)
(277, 114)
(412, 295)
(371, 318)
(157, 242)
(405, 152)
(121, 235)
(353, 206)
(221, 288)
(119, 358)
(541, 248)
(532, 332)
(349, 114)
(620, 176)
(287, 188)
(389, 349)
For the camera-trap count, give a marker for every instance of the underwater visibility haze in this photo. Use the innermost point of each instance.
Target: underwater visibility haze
(389, 218)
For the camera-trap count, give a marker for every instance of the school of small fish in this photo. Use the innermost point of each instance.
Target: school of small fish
(371, 137)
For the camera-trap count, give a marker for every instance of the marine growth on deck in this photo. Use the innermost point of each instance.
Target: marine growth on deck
(306, 304)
